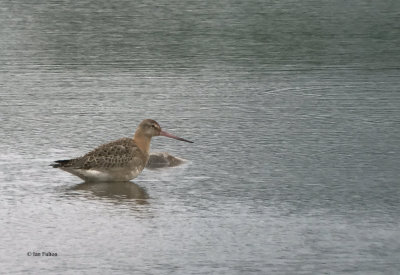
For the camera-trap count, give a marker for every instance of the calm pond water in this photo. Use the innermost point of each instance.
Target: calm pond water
(294, 108)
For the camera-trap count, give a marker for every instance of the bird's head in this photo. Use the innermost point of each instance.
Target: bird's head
(150, 128)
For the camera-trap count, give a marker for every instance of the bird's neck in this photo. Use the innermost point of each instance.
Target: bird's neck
(142, 141)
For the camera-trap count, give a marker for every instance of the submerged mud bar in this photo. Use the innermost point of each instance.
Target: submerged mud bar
(163, 159)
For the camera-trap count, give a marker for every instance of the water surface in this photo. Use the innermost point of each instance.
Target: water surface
(294, 109)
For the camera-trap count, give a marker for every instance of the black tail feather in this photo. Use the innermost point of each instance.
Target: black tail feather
(60, 163)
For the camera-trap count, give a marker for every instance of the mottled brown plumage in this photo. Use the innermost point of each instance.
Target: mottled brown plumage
(118, 153)
(119, 160)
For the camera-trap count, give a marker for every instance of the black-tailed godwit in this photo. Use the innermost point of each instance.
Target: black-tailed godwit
(119, 160)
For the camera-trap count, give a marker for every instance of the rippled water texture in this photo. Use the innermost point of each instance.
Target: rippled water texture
(293, 107)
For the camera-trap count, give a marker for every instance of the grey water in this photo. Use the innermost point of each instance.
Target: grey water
(293, 107)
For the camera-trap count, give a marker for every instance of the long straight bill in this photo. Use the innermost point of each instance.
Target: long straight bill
(166, 134)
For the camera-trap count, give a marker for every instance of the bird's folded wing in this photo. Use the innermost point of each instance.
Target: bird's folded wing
(117, 153)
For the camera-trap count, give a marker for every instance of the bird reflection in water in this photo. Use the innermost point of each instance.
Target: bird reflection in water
(113, 191)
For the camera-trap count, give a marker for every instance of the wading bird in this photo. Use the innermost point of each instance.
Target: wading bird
(119, 160)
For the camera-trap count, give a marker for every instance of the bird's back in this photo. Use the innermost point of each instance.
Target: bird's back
(119, 155)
